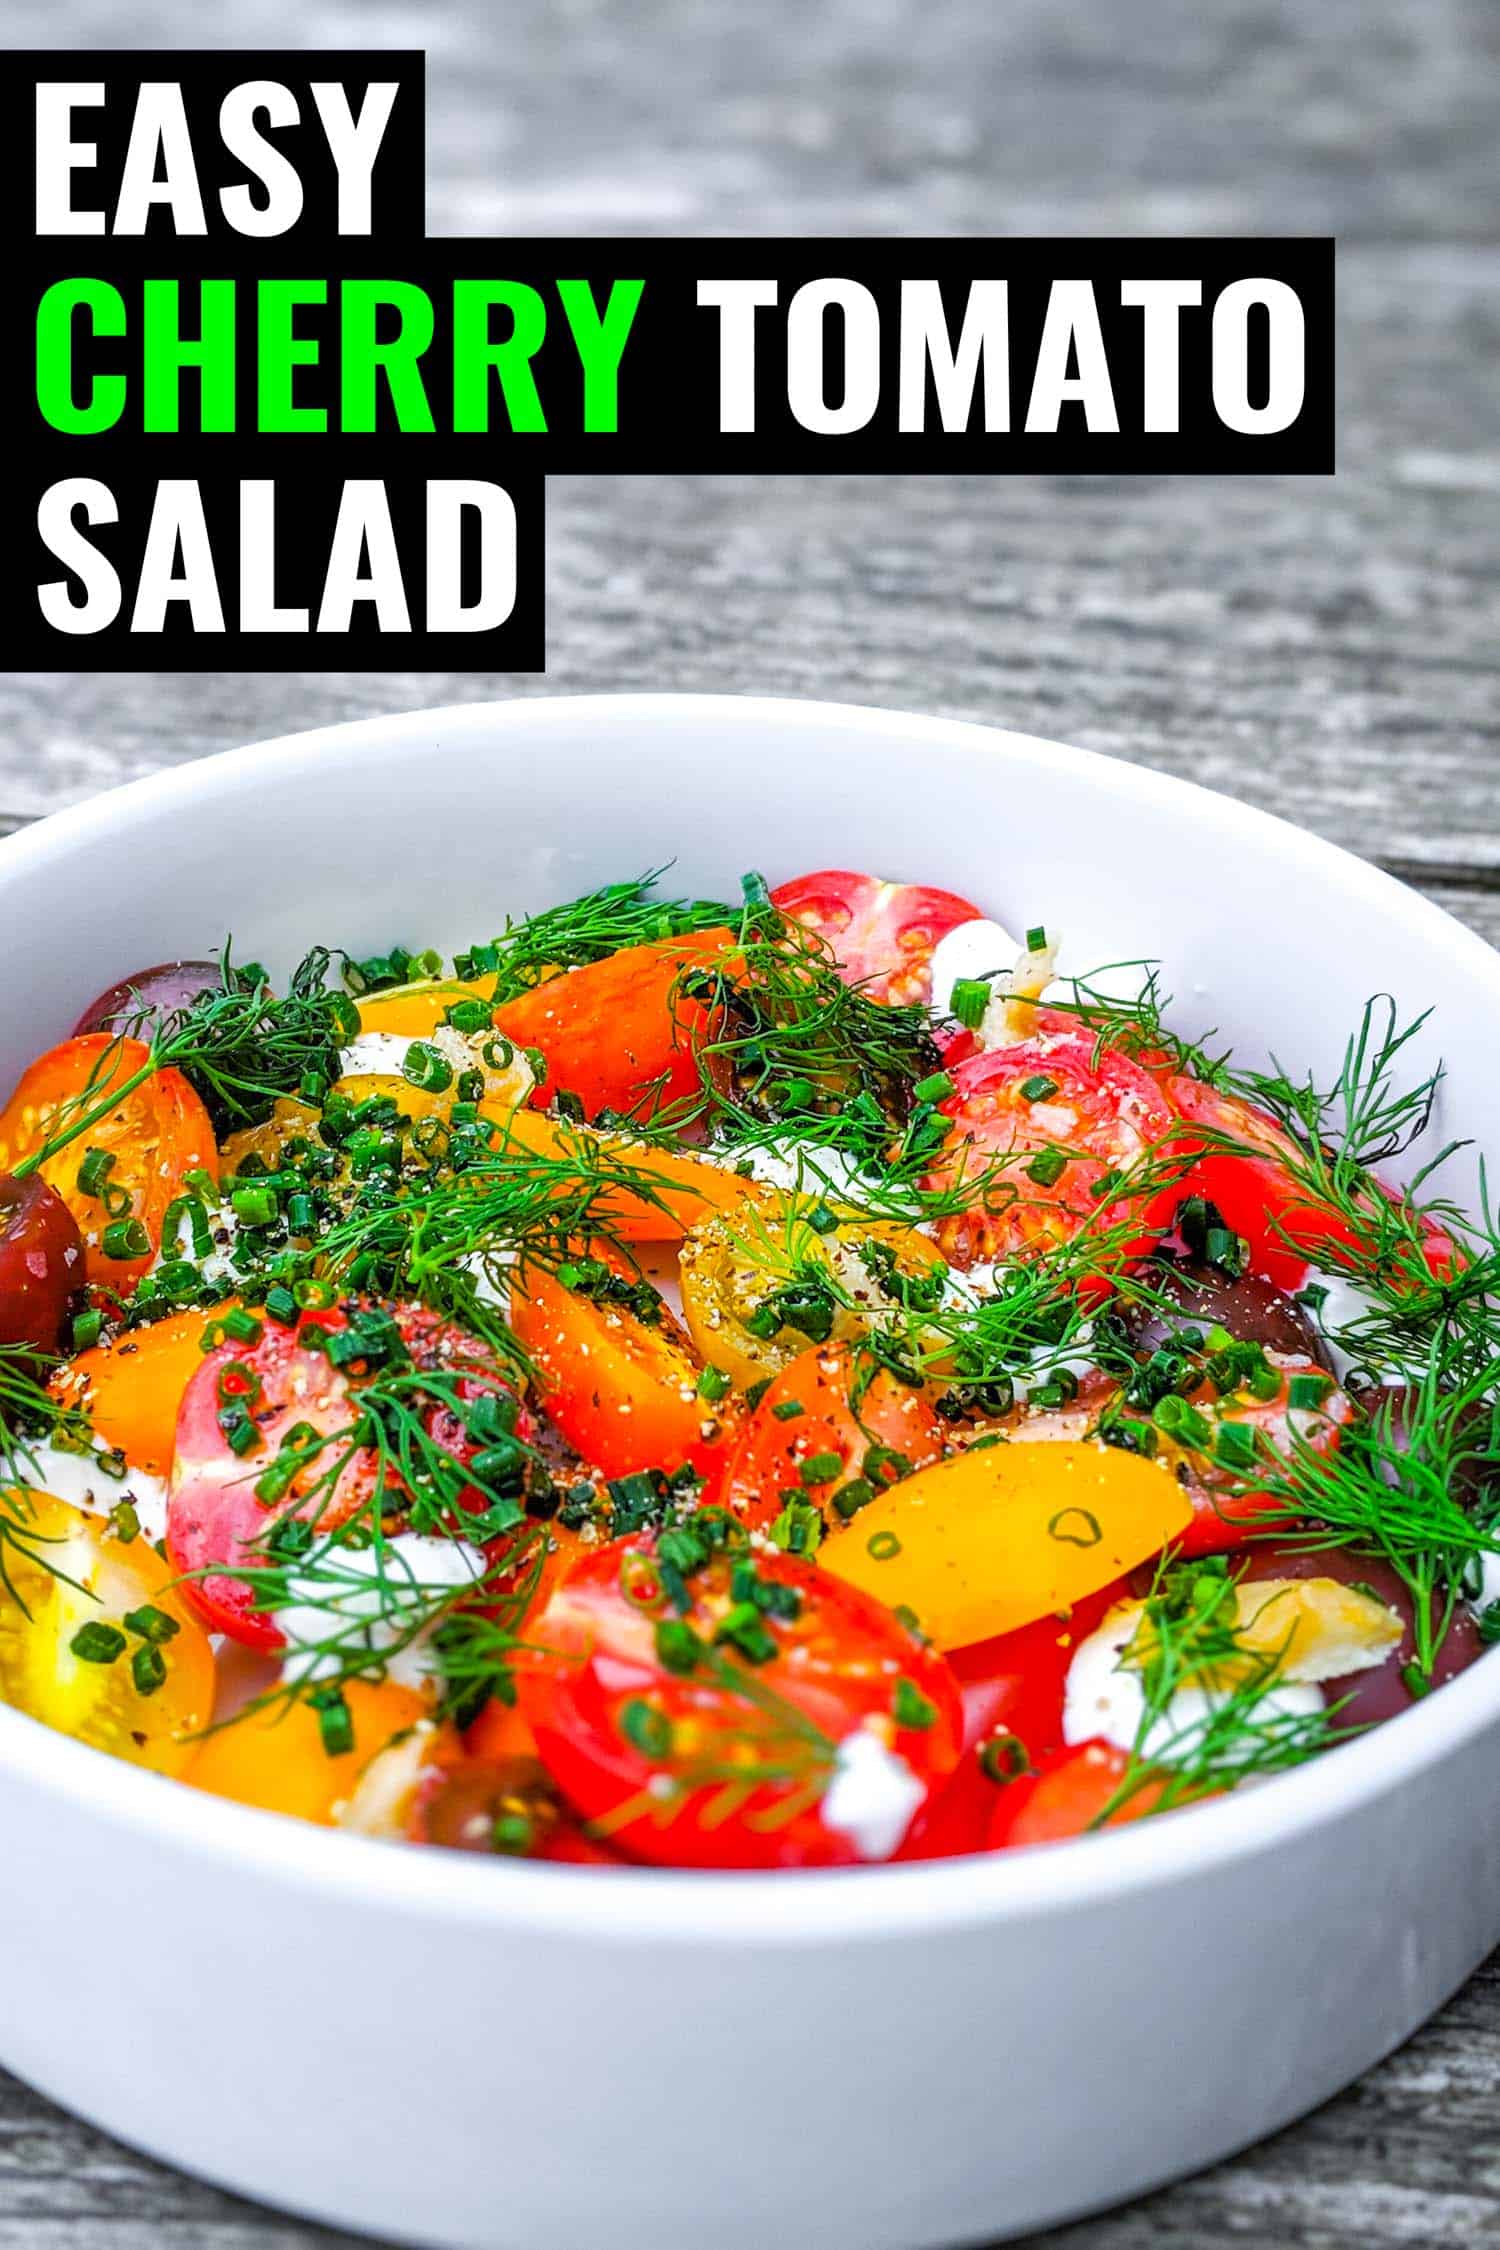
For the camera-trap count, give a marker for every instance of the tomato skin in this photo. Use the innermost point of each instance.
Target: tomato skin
(1012, 1685)
(622, 1391)
(1260, 1197)
(132, 1388)
(593, 1657)
(141, 1001)
(1224, 1519)
(1255, 1195)
(1105, 1113)
(617, 1033)
(274, 1759)
(94, 1576)
(773, 1445)
(882, 934)
(156, 1135)
(1066, 1796)
(41, 1262)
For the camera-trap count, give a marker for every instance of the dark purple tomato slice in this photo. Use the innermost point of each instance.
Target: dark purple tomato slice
(1382, 1692)
(148, 996)
(41, 1262)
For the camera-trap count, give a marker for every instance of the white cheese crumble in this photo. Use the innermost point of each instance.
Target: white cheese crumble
(979, 949)
(1343, 1305)
(382, 1054)
(78, 1479)
(387, 1591)
(1105, 1702)
(799, 1167)
(873, 1796)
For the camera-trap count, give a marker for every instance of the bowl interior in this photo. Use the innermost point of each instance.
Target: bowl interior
(430, 829)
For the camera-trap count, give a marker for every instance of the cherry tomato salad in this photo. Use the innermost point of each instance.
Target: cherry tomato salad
(790, 1382)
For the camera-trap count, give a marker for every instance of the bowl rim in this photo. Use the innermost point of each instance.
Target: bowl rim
(687, 1906)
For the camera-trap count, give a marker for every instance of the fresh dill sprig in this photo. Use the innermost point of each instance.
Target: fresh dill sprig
(586, 929)
(1190, 1637)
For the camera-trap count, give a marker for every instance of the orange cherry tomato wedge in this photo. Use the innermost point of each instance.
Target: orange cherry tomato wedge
(622, 1390)
(618, 1034)
(132, 1388)
(663, 1191)
(1071, 1793)
(155, 1135)
(857, 1425)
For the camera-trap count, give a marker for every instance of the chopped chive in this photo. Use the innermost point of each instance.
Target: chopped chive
(86, 1328)
(713, 1384)
(971, 996)
(646, 1729)
(1003, 1758)
(1307, 1390)
(151, 1623)
(148, 1668)
(1036, 939)
(97, 1643)
(788, 1409)
(821, 1468)
(95, 1169)
(1047, 1167)
(335, 1721)
(255, 1206)
(1038, 1088)
(935, 1089)
(422, 1066)
(125, 1238)
(910, 1707)
(882, 1546)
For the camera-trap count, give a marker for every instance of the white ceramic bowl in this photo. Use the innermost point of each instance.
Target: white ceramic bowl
(461, 2052)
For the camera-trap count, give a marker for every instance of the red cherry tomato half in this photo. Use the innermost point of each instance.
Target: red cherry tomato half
(1013, 1689)
(825, 1402)
(1066, 1121)
(216, 1522)
(1224, 1517)
(882, 934)
(1068, 1795)
(715, 1735)
(619, 1034)
(41, 1262)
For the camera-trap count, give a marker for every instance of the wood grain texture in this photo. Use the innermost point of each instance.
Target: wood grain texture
(1327, 650)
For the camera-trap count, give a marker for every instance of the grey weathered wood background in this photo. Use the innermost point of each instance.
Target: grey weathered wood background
(1326, 649)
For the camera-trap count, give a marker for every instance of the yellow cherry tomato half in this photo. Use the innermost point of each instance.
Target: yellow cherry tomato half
(414, 1011)
(760, 1283)
(94, 1642)
(996, 1537)
(274, 1757)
